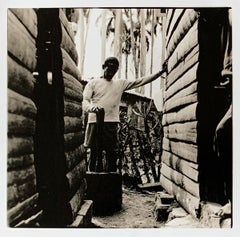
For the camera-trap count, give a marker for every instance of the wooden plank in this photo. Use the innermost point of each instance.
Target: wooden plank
(186, 114)
(72, 124)
(169, 17)
(18, 146)
(185, 150)
(75, 156)
(175, 105)
(185, 85)
(18, 104)
(20, 125)
(19, 211)
(20, 161)
(76, 175)
(77, 199)
(69, 65)
(21, 192)
(184, 92)
(181, 180)
(187, 168)
(72, 109)
(69, 45)
(21, 175)
(184, 25)
(177, 15)
(20, 79)
(28, 18)
(73, 140)
(184, 47)
(182, 132)
(188, 201)
(24, 50)
(183, 66)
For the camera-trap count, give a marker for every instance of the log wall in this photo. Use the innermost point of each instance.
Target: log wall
(21, 173)
(73, 123)
(189, 112)
(46, 157)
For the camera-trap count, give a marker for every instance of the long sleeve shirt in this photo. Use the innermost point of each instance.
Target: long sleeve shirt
(107, 94)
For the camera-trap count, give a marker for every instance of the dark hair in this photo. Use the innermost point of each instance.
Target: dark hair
(111, 61)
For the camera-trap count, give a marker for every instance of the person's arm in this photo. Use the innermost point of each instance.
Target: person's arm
(145, 80)
(87, 95)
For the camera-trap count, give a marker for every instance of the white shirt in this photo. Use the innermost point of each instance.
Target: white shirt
(107, 94)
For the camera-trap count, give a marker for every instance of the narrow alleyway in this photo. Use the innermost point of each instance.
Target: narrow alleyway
(138, 212)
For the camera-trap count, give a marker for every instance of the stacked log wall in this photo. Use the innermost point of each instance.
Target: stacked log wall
(21, 174)
(192, 105)
(73, 123)
(29, 170)
(179, 170)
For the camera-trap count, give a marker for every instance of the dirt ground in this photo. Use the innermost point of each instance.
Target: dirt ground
(137, 212)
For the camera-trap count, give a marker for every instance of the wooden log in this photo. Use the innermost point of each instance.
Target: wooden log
(177, 15)
(188, 201)
(73, 95)
(69, 45)
(69, 65)
(72, 83)
(175, 105)
(18, 212)
(18, 104)
(187, 168)
(18, 146)
(182, 132)
(186, 22)
(20, 161)
(28, 18)
(73, 140)
(77, 199)
(169, 17)
(72, 124)
(76, 175)
(21, 175)
(185, 150)
(187, 114)
(19, 193)
(184, 86)
(181, 180)
(183, 66)
(66, 24)
(20, 79)
(72, 109)
(184, 47)
(25, 49)
(20, 125)
(74, 157)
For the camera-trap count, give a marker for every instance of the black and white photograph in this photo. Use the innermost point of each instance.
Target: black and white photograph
(120, 117)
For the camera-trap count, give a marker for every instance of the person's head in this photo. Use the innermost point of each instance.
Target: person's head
(110, 67)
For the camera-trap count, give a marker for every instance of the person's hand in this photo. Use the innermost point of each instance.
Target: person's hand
(95, 108)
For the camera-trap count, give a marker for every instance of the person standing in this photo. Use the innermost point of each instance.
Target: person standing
(101, 99)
